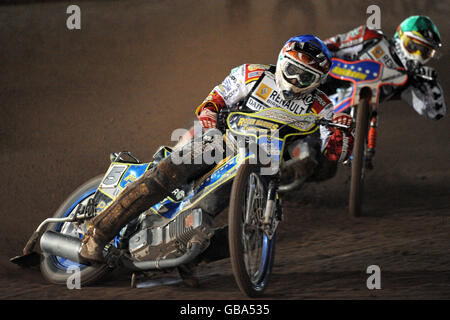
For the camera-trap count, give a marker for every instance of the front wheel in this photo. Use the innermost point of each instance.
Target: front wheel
(251, 250)
(58, 269)
(357, 177)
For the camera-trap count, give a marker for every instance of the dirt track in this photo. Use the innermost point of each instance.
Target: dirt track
(137, 70)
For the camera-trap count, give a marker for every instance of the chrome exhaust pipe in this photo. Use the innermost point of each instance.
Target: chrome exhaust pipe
(193, 252)
(62, 245)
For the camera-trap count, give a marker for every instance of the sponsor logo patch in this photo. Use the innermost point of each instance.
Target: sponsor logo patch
(255, 105)
(263, 91)
(377, 52)
(349, 73)
(246, 123)
(254, 67)
(254, 74)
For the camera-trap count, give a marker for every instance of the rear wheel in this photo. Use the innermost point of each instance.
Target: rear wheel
(58, 269)
(357, 177)
(251, 250)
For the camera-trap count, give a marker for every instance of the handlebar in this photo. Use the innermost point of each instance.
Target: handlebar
(330, 123)
(221, 123)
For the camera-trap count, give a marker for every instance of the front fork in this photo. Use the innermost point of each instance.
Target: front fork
(371, 137)
(272, 211)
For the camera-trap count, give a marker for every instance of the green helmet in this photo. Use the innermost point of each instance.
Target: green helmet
(418, 38)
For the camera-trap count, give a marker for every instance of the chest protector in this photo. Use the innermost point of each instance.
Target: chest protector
(380, 52)
(264, 95)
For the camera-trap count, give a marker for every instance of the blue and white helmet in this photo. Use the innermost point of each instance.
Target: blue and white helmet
(303, 64)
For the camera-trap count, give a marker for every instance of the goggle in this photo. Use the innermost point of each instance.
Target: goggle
(311, 54)
(299, 76)
(417, 47)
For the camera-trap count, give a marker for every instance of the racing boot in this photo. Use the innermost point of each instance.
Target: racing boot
(136, 198)
(152, 187)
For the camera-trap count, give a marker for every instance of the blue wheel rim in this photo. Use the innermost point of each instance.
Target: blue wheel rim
(63, 263)
(260, 277)
(266, 258)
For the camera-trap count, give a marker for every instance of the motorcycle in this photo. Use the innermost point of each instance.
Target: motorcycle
(361, 100)
(174, 232)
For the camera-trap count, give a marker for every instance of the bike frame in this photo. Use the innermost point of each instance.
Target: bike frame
(269, 133)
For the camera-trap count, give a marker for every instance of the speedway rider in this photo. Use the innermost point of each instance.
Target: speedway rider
(302, 66)
(413, 45)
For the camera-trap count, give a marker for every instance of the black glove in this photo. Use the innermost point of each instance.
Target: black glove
(417, 70)
(426, 73)
(421, 75)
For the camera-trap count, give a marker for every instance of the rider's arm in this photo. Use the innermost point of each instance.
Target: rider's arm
(325, 132)
(348, 45)
(233, 89)
(324, 108)
(426, 97)
(337, 144)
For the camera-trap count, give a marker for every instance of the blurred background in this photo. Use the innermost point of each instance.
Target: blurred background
(138, 69)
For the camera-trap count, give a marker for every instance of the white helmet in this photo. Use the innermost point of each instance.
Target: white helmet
(303, 64)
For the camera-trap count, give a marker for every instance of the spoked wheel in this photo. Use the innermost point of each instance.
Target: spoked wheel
(357, 178)
(58, 269)
(251, 250)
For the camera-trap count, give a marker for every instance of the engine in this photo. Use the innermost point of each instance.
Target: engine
(161, 239)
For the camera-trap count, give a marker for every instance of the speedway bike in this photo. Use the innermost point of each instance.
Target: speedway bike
(174, 232)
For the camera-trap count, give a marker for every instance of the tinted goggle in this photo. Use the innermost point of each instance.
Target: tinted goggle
(417, 47)
(311, 54)
(298, 76)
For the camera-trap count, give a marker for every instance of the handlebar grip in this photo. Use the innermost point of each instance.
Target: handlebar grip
(330, 123)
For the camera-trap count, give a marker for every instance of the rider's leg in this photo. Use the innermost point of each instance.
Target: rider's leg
(152, 187)
(313, 166)
(325, 170)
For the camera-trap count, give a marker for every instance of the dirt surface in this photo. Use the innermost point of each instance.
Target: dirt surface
(137, 70)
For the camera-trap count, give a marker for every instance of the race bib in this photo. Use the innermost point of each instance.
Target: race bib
(265, 95)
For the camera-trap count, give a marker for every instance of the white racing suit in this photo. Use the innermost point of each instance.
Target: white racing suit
(426, 97)
(254, 85)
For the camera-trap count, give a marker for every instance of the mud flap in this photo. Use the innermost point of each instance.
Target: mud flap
(29, 257)
(27, 260)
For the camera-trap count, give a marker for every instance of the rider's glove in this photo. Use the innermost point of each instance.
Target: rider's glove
(208, 118)
(343, 118)
(340, 144)
(423, 73)
(427, 72)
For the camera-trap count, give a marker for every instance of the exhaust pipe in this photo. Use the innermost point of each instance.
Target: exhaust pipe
(193, 252)
(62, 245)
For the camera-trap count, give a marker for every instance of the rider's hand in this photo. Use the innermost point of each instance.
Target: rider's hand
(340, 143)
(428, 71)
(343, 118)
(425, 73)
(208, 118)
